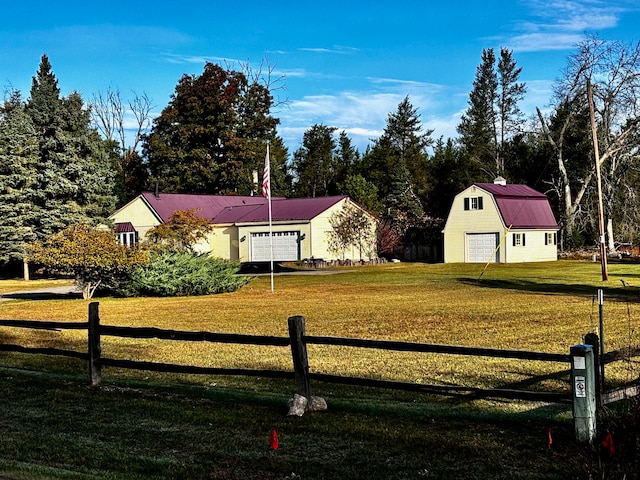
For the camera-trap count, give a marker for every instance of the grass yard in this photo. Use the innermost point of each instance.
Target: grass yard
(142, 425)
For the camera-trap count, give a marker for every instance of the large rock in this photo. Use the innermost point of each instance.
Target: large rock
(300, 404)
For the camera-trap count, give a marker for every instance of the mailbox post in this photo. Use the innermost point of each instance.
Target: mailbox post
(584, 392)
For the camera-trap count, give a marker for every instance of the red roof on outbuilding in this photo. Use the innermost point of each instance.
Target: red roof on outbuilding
(521, 206)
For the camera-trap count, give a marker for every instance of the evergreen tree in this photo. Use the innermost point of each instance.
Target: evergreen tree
(314, 163)
(75, 179)
(477, 126)
(363, 192)
(18, 161)
(493, 117)
(396, 164)
(346, 158)
(450, 171)
(510, 92)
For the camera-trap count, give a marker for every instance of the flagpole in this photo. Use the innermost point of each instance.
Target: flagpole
(266, 191)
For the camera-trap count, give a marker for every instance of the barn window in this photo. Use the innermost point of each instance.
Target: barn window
(518, 240)
(473, 203)
(551, 238)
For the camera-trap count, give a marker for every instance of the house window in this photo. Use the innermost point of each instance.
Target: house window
(518, 240)
(473, 203)
(126, 234)
(128, 239)
(551, 238)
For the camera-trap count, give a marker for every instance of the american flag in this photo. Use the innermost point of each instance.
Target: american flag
(266, 184)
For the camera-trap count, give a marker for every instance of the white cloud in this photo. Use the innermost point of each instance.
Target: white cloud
(561, 24)
(363, 114)
(336, 49)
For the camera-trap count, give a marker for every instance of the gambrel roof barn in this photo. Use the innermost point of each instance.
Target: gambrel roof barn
(497, 222)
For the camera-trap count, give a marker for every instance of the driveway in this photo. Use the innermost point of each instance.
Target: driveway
(43, 294)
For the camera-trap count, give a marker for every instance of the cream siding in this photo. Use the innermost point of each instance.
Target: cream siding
(139, 214)
(534, 249)
(461, 222)
(233, 242)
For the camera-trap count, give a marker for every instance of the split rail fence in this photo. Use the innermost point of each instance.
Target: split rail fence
(297, 341)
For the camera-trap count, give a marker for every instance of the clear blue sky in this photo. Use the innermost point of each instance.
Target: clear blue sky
(345, 64)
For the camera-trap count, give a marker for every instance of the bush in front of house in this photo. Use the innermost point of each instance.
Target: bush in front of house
(180, 273)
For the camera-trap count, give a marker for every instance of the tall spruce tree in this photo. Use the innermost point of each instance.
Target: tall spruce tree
(493, 116)
(314, 163)
(74, 176)
(18, 161)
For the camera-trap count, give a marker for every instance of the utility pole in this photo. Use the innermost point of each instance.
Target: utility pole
(594, 135)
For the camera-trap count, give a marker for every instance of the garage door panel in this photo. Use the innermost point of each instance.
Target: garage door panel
(286, 246)
(481, 247)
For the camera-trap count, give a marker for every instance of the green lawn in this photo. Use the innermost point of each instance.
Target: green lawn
(141, 425)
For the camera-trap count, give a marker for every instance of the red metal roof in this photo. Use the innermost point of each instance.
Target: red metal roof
(124, 227)
(282, 209)
(226, 209)
(165, 204)
(521, 206)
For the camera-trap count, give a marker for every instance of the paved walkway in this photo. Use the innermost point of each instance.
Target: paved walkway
(43, 294)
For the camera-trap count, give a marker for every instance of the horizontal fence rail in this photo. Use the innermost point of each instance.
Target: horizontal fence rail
(435, 348)
(298, 342)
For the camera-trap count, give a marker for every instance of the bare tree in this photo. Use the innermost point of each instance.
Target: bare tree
(126, 125)
(111, 116)
(614, 71)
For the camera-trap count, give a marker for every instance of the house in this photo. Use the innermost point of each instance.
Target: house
(300, 226)
(496, 222)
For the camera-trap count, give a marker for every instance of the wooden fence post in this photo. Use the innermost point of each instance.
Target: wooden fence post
(299, 354)
(95, 370)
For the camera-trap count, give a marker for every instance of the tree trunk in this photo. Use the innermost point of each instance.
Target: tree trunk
(611, 245)
(25, 270)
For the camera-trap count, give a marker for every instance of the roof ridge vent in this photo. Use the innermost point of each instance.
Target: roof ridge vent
(500, 181)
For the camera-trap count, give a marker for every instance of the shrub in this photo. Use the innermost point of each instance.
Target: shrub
(181, 273)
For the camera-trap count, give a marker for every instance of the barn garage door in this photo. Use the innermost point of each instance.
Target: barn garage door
(285, 246)
(481, 247)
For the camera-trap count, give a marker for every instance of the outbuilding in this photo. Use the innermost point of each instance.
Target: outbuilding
(502, 223)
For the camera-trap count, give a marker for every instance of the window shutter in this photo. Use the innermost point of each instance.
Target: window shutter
(479, 203)
(555, 238)
(466, 203)
(546, 238)
(513, 237)
(523, 244)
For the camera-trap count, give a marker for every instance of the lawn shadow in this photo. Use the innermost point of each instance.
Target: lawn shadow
(623, 292)
(37, 295)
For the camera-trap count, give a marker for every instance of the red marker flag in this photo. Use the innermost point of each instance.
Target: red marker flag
(608, 443)
(273, 439)
(549, 438)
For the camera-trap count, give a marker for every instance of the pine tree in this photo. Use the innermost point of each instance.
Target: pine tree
(18, 160)
(314, 163)
(493, 116)
(75, 178)
(477, 127)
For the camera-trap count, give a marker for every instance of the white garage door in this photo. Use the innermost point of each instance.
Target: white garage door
(285, 247)
(481, 247)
